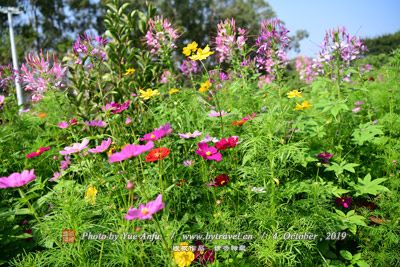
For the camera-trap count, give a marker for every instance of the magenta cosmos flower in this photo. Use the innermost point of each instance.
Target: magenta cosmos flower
(38, 152)
(75, 148)
(2, 97)
(145, 212)
(130, 150)
(214, 113)
(208, 152)
(17, 179)
(190, 135)
(116, 107)
(63, 125)
(102, 147)
(158, 133)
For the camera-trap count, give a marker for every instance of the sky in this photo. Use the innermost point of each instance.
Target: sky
(364, 18)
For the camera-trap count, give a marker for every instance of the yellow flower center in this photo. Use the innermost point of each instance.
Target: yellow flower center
(145, 211)
(208, 153)
(152, 136)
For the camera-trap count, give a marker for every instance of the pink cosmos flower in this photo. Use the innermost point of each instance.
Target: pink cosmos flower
(116, 107)
(96, 123)
(356, 109)
(63, 125)
(55, 177)
(128, 121)
(208, 152)
(101, 148)
(2, 97)
(145, 212)
(76, 147)
(214, 113)
(208, 138)
(17, 179)
(65, 163)
(130, 150)
(158, 133)
(190, 135)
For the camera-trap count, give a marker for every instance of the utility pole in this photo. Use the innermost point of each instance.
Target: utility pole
(10, 11)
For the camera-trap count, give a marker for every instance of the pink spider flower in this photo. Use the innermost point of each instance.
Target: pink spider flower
(105, 144)
(208, 152)
(75, 148)
(158, 133)
(130, 150)
(145, 212)
(17, 179)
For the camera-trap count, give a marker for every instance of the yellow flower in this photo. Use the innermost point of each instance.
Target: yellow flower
(294, 93)
(184, 256)
(205, 86)
(130, 71)
(149, 93)
(173, 91)
(90, 195)
(202, 53)
(303, 106)
(190, 48)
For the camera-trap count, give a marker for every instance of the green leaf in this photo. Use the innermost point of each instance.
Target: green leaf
(346, 254)
(362, 263)
(367, 186)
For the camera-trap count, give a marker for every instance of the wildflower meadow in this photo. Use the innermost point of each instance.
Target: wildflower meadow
(133, 150)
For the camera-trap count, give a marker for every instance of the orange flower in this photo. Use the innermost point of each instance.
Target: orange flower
(157, 154)
(238, 123)
(42, 115)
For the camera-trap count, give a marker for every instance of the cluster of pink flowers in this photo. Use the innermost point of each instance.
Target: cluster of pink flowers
(229, 40)
(211, 152)
(338, 46)
(160, 36)
(166, 77)
(87, 46)
(271, 44)
(189, 67)
(39, 72)
(304, 67)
